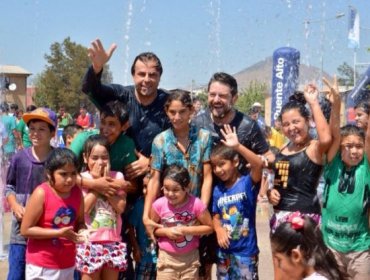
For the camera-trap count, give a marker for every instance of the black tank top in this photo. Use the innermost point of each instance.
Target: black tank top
(296, 179)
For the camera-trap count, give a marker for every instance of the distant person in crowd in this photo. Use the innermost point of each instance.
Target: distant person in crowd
(64, 118)
(362, 112)
(19, 116)
(84, 119)
(299, 252)
(257, 107)
(69, 133)
(9, 123)
(25, 173)
(277, 138)
(23, 138)
(53, 220)
(144, 101)
(198, 107)
(299, 164)
(346, 198)
(13, 109)
(234, 208)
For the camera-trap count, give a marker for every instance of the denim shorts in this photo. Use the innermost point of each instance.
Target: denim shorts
(17, 262)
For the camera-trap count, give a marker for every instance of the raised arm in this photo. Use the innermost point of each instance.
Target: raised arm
(334, 97)
(311, 94)
(231, 140)
(99, 56)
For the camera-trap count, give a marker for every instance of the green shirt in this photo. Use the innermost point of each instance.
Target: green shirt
(65, 120)
(345, 223)
(122, 151)
(22, 128)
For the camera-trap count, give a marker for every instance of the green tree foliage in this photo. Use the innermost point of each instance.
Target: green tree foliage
(255, 92)
(345, 75)
(60, 83)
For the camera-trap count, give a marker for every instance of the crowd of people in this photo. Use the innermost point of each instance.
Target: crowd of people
(168, 189)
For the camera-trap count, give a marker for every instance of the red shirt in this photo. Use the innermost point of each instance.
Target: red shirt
(83, 121)
(55, 253)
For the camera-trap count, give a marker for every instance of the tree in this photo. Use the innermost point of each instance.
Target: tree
(255, 92)
(60, 83)
(345, 75)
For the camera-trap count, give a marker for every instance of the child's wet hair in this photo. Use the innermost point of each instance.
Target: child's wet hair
(94, 140)
(351, 129)
(179, 95)
(71, 130)
(178, 174)
(308, 239)
(224, 152)
(115, 109)
(364, 105)
(296, 103)
(58, 158)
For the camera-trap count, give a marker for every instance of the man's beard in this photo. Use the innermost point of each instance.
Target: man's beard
(226, 111)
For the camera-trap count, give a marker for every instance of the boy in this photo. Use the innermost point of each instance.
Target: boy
(70, 132)
(26, 171)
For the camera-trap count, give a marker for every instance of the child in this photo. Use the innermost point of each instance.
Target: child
(143, 250)
(70, 131)
(103, 255)
(345, 213)
(234, 208)
(299, 251)
(114, 122)
(184, 218)
(182, 144)
(362, 111)
(25, 173)
(53, 216)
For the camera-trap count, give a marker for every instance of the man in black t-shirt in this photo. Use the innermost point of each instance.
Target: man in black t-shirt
(144, 101)
(222, 95)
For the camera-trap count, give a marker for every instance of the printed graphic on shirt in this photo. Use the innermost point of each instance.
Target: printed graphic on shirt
(65, 216)
(282, 173)
(180, 219)
(103, 215)
(232, 219)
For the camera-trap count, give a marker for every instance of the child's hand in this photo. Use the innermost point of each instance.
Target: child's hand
(18, 211)
(311, 94)
(223, 238)
(332, 94)
(68, 233)
(173, 233)
(273, 196)
(84, 235)
(230, 136)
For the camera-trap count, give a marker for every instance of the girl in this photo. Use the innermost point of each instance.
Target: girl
(181, 144)
(300, 253)
(345, 213)
(362, 113)
(299, 164)
(184, 218)
(103, 255)
(53, 216)
(234, 208)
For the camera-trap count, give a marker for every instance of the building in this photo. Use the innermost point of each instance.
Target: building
(11, 74)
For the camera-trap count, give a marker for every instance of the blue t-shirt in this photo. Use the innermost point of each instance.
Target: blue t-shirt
(135, 219)
(237, 209)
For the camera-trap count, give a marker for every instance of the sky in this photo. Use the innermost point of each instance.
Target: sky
(193, 38)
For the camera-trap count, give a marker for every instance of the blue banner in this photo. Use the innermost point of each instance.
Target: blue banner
(362, 88)
(285, 72)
